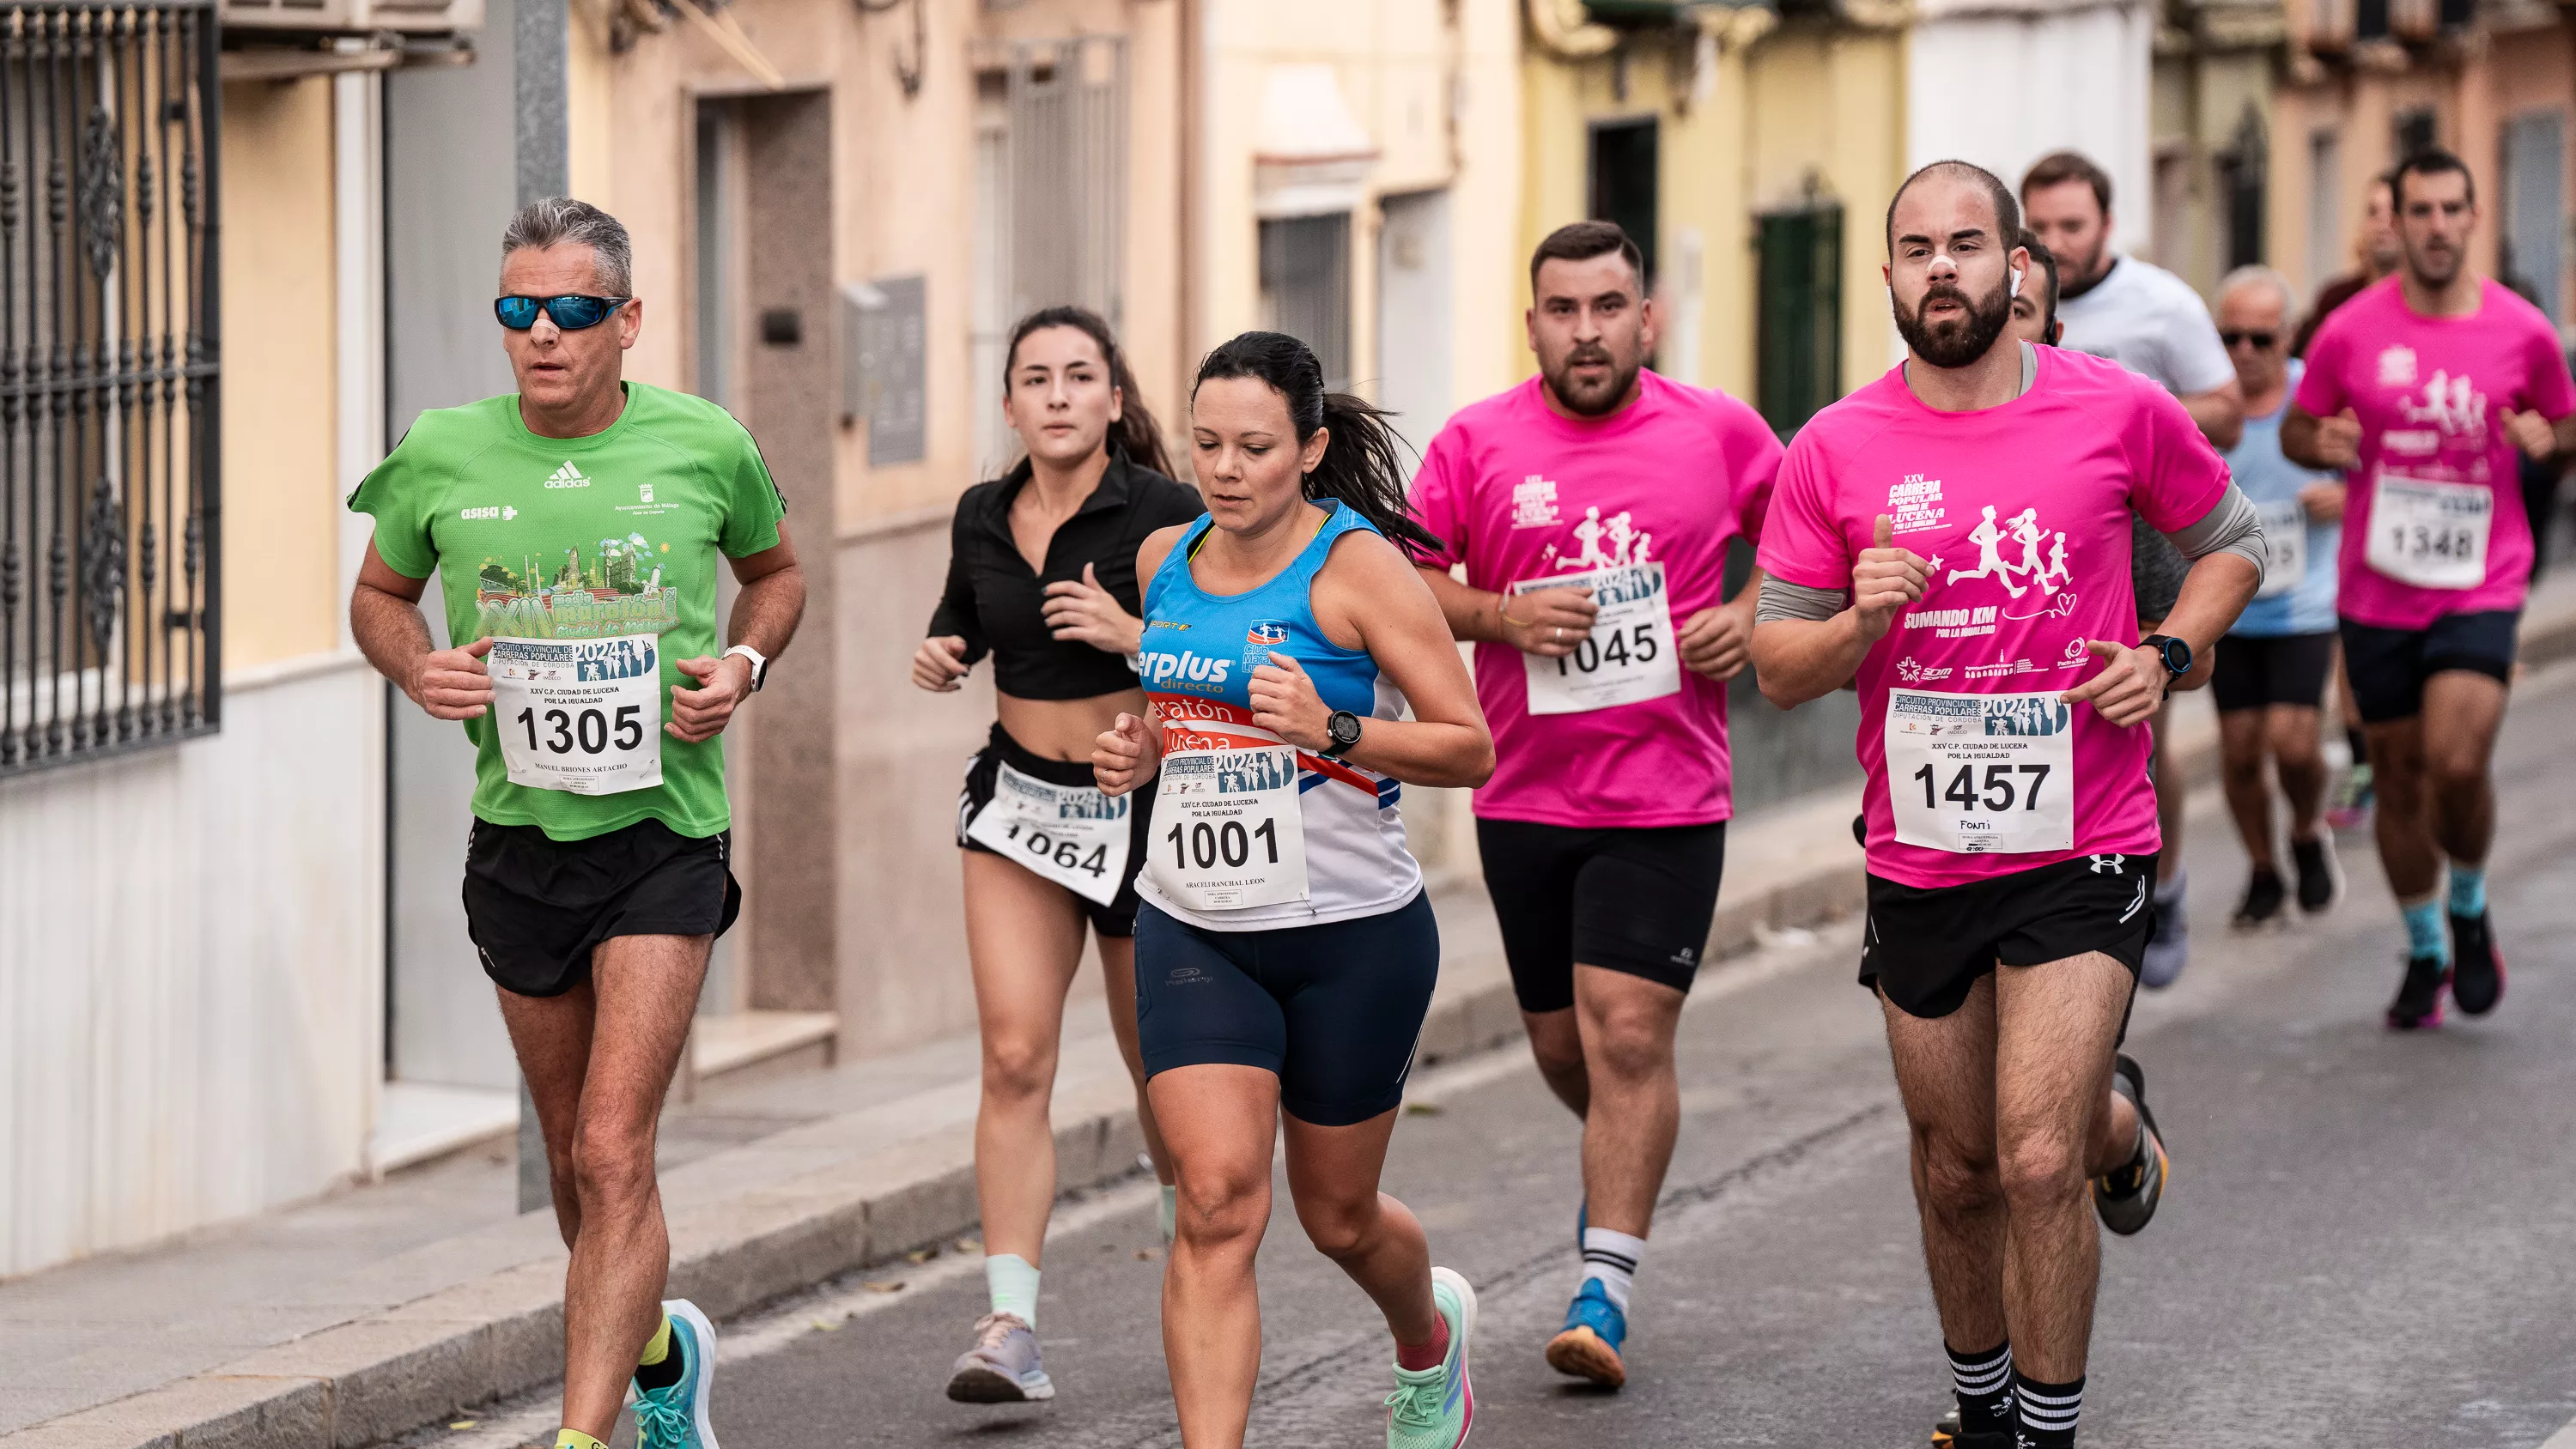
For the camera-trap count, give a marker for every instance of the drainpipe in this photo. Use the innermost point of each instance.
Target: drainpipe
(1567, 31)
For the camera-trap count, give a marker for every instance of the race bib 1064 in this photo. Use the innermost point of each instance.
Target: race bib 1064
(1228, 832)
(2432, 535)
(1074, 835)
(2285, 546)
(1981, 773)
(579, 715)
(1628, 656)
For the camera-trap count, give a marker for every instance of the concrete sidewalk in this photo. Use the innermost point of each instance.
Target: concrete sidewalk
(366, 1315)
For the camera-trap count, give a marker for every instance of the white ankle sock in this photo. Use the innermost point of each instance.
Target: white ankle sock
(1013, 1282)
(1612, 1256)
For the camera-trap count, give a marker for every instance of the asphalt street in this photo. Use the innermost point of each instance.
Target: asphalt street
(2370, 1239)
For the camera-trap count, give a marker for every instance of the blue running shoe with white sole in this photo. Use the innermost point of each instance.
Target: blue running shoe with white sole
(675, 1415)
(1434, 1408)
(1588, 1348)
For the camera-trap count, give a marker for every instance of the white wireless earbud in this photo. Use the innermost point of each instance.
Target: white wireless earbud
(2016, 281)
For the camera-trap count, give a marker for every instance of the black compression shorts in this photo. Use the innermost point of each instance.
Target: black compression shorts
(2253, 673)
(1634, 900)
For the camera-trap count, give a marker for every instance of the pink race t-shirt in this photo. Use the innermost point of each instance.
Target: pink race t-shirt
(2433, 523)
(1639, 506)
(2023, 513)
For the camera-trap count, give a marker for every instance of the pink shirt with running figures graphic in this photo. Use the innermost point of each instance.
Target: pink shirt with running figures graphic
(1641, 505)
(2022, 511)
(2434, 523)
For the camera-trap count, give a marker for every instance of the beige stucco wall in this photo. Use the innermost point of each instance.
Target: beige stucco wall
(281, 509)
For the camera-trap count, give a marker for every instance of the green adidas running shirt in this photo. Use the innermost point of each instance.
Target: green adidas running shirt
(581, 538)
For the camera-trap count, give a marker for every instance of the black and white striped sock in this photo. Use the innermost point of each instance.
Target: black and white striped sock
(1611, 1257)
(2048, 1412)
(1984, 1385)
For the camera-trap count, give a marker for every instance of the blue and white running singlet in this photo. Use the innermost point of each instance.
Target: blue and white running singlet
(1250, 833)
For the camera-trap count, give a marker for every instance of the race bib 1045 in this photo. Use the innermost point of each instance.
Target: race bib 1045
(1628, 656)
(2432, 535)
(1981, 773)
(579, 715)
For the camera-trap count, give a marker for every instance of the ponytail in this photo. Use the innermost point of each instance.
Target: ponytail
(1135, 437)
(1363, 463)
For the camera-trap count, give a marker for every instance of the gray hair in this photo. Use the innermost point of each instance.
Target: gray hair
(560, 219)
(2260, 275)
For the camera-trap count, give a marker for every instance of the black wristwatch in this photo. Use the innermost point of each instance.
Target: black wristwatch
(1344, 727)
(2175, 653)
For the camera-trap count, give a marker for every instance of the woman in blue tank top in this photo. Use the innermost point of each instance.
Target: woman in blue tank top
(1285, 953)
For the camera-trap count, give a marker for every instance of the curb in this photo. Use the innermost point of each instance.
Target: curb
(377, 1377)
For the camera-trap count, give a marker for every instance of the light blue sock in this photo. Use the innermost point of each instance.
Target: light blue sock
(2468, 889)
(1013, 1282)
(2425, 933)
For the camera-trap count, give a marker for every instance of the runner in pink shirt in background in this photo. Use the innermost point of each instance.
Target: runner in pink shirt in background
(1592, 508)
(1956, 535)
(2429, 385)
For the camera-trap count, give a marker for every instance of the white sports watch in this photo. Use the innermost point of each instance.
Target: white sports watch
(759, 664)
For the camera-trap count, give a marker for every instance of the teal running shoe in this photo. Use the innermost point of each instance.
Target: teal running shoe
(1434, 1408)
(675, 1416)
(1589, 1346)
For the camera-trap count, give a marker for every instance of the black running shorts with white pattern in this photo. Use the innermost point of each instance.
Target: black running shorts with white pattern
(1926, 947)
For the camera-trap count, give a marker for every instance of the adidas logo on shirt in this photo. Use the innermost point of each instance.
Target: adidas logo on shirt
(567, 476)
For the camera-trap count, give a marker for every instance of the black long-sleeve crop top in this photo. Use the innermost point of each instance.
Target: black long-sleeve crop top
(997, 605)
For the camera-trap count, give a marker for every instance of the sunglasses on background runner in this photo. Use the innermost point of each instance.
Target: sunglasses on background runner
(571, 313)
(2262, 340)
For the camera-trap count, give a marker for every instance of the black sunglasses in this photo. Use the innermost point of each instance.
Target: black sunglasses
(571, 313)
(2262, 340)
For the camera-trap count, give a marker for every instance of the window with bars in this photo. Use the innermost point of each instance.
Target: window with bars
(109, 632)
(1051, 202)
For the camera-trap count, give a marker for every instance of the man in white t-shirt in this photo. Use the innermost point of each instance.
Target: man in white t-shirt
(2151, 322)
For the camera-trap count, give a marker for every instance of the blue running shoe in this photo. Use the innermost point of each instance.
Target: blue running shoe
(675, 1416)
(1589, 1346)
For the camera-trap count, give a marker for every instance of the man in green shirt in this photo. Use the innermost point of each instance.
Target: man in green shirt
(575, 526)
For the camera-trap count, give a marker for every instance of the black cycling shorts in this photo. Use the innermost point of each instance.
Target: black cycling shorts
(2254, 673)
(1118, 918)
(1334, 1011)
(2388, 667)
(1635, 900)
(1925, 947)
(536, 907)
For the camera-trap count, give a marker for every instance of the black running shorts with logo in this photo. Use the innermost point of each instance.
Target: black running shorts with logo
(1633, 900)
(2388, 667)
(536, 907)
(1926, 947)
(2254, 673)
(984, 767)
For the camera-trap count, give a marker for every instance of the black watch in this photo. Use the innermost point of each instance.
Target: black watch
(2176, 653)
(1344, 727)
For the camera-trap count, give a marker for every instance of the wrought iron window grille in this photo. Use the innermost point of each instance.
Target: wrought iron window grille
(110, 557)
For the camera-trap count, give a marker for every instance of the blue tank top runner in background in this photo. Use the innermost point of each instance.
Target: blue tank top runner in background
(1196, 665)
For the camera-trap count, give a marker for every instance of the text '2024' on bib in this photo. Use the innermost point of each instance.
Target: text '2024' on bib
(1228, 832)
(1981, 773)
(579, 715)
(1074, 835)
(2430, 534)
(1628, 656)
(2285, 546)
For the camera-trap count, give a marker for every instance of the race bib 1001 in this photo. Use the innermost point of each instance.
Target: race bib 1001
(1228, 832)
(1074, 835)
(1981, 773)
(2285, 546)
(1628, 656)
(2432, 535)
(579, 715)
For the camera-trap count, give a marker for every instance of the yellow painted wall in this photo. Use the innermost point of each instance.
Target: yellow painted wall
(1742, 130)
(281, 512)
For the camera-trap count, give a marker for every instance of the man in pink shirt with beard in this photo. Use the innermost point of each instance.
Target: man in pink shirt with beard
(1956, 536)
(2429, 386)
(1592, 508)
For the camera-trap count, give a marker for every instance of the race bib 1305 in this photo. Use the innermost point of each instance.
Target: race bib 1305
(579, 715)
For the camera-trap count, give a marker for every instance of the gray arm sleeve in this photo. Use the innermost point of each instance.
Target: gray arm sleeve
(1782, 599)
(2230, 526)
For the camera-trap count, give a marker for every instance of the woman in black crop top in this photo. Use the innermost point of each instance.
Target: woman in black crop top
(1042, 577)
